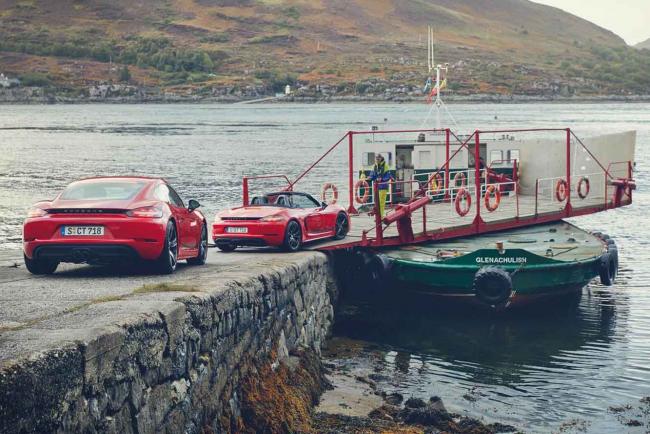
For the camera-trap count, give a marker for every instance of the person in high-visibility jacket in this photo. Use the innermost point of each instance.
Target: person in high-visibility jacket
(380, 176)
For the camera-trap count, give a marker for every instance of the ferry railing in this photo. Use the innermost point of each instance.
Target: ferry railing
(481, 177)
(453, 180)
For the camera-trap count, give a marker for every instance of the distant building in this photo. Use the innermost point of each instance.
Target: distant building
(7, 82)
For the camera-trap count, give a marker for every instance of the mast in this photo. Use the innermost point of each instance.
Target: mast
(438, 81)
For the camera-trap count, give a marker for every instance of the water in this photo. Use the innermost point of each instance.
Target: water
(537, 371)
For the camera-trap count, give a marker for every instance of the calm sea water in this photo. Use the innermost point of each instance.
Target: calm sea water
(538, 372)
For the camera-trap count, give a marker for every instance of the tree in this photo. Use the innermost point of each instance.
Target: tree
(124, 75)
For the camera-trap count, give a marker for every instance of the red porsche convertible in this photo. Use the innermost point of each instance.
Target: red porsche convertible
(286, 219)
(114, 219)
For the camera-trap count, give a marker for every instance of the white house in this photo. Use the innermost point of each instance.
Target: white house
(8, 82)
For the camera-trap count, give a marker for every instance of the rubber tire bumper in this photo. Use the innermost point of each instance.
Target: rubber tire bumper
(608, 267)
(492, 285)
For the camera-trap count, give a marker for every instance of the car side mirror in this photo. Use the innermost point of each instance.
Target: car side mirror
(323, 205)
(193, 204)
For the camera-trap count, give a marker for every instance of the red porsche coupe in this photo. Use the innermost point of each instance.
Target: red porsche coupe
(286, 219)
(114, 219)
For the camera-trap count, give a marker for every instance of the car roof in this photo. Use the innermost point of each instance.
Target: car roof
(122, 178)
(287, 192)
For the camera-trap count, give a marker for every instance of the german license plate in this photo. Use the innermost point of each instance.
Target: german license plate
(82, 231)
(237, 229)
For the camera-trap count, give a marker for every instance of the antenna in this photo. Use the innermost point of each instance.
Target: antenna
(433, 63)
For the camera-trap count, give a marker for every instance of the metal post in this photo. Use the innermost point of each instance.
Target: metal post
(536, 194)
(447, 164)
(517, 198)
(245, 194)
(351, 208)
(477, 180)
(378, 228)
(567, 208)
(424, 219)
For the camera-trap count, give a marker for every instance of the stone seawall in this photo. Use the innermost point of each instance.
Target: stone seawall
(167, 361)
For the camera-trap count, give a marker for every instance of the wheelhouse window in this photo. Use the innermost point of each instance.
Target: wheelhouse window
(102, 190)
(368, 159)
(496, 156)
(513, 154)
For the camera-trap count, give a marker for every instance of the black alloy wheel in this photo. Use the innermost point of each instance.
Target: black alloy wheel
(226, 247)
(169, 256)
(40, 266)
(293, 237)
(203, 249)
(342, 226)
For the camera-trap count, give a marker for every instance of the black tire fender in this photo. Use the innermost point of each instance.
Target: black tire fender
(604, 269)
(492, 285)
(378, 268)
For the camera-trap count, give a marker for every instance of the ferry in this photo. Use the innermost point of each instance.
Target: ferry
(503, 269)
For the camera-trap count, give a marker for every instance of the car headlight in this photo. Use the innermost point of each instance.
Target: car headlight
(274, 218)
(36, 212)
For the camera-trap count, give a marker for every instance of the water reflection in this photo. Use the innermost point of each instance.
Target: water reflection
(558, 356)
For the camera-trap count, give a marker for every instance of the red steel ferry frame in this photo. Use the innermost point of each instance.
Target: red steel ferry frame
(617, 192)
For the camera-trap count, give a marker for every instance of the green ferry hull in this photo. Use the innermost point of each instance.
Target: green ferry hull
(558, 259)
(533, 284)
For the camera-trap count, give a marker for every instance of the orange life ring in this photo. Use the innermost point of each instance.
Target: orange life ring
(459, 176)
(583, 181)
(488, 194)
(561, 190)
(435, 184)
(463, 195)
(362, 183)
(335, 193)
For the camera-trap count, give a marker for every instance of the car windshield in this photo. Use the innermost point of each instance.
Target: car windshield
(102, 190)
(289, 200)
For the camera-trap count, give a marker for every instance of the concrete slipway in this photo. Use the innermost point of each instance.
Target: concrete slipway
(83, 351)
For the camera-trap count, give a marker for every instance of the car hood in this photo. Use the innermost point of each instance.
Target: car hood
(252, 211)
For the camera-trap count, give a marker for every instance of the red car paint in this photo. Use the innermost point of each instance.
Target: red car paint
(136, 231)
(266, 224)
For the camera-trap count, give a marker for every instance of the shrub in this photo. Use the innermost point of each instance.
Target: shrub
(35, 79)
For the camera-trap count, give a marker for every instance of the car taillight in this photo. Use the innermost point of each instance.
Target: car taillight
(146, 212)
(36, 212)
(274, 218)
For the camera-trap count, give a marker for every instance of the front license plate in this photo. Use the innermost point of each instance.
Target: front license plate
(82, 231)
(237, 230)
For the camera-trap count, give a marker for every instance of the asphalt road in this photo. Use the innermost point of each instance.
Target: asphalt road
(26, 300)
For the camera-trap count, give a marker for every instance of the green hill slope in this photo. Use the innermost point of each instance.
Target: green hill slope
(348, 46)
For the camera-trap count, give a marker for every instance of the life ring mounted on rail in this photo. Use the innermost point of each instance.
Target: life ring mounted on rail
(561, 190)
(460, 177)
(335, 193)
(435, 184)
(583, 183)
(463, 202)
(361, 184)
(492, 189)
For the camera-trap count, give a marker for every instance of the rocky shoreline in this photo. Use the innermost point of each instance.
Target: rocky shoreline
(284, 398)
(124, 94)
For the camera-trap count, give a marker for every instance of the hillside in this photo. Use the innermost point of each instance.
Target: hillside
(644, 44)
(345, 46)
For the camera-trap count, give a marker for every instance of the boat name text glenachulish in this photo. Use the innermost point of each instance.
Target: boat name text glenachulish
(502, 260)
